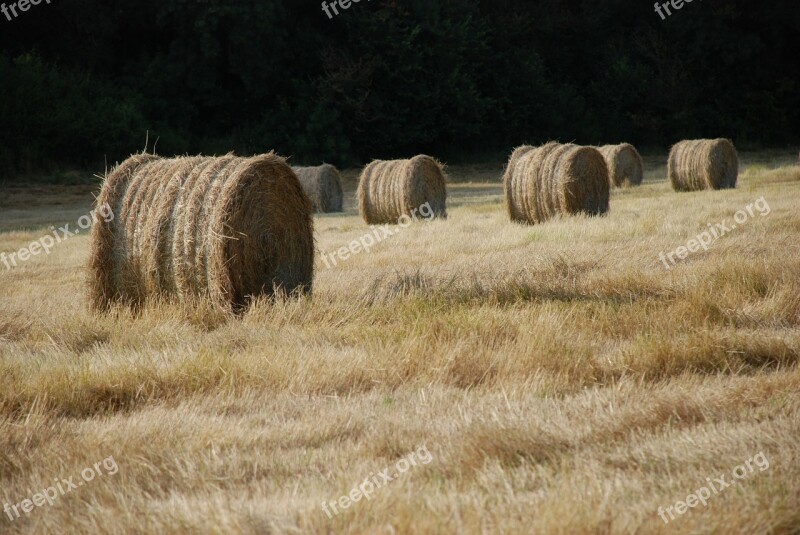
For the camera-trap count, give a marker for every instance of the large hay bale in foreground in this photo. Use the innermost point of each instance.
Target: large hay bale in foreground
(225, 229)
(625, 167)
(323, 185)
(703, 164)
(389, 190)
(553, 179)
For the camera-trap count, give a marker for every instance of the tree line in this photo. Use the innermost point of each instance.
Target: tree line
(84, 82)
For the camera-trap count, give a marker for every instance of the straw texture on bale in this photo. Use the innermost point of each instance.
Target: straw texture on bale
(554, 179)
(625, 167)
(323, 186)
(703, 164)
(389, 190)
(225, 229)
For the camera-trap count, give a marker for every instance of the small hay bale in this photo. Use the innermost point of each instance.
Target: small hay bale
(703, 164)
(225, 229)
(323, 185)
(389, 190)
(625, 167)
(554, 179)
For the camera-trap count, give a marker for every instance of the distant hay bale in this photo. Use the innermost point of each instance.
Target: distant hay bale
(703, 164)
(625, 167)
(323, 186)
(553, 179)
(509, 184)
(389, 190)
(225, 229)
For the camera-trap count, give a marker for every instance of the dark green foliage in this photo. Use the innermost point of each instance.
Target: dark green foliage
(49, 117)
(83, 82)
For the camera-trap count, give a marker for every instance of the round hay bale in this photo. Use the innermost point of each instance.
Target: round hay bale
(323, 185)
(703, 164)
(513, 187)
(389, 190)
(102, 285)
(225, 229)
(625, 167)
(553, 179)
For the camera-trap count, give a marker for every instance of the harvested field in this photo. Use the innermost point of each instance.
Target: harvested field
(562, 380)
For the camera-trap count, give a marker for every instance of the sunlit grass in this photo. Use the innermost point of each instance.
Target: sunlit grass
(562, 378)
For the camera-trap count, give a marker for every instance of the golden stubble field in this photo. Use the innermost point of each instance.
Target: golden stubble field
(559, 377)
